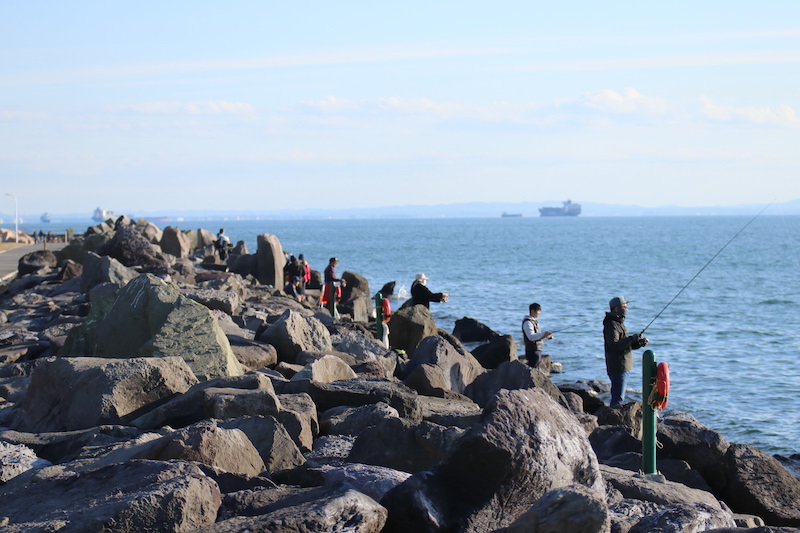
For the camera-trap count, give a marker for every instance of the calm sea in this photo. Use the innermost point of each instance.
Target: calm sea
(731, 338)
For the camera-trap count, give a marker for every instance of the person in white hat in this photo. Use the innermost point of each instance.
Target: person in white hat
(422, 295)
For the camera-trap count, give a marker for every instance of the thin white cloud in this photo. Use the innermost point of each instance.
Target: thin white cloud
(330, 104)
(782, 115)
(627, 101)
(23, 115)
(217, 107)
(680, 61)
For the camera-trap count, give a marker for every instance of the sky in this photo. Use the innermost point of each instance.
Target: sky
(268, 105)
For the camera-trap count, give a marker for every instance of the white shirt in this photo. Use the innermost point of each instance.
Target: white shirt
(529, 327)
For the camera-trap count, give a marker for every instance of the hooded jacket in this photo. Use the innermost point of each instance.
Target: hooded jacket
(618, 344)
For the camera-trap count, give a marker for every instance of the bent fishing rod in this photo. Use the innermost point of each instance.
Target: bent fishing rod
(706, 265)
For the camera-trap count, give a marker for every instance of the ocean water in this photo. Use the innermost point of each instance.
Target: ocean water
(731, 337)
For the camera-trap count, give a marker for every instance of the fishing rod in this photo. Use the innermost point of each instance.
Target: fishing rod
(706, 265)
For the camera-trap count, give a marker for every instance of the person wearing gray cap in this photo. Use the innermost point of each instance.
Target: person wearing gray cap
(619, 347)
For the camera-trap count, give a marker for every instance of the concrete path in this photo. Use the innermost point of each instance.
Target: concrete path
(9, 259)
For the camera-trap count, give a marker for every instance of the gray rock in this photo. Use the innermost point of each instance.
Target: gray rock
(409, 326)
(253, 354)
(470, 330)
(175, 242)
(146, 496)
(627, 414)
(104, 269)
(636, 487)
(684, 437)
(16, 459)
(374, 481)
(293, 333)
(524, 446)
(298, 414)
(234, 402)
(191, 406)
(131, 248)
(81, 392)
(270, 260)
(344, 420)
(34, 261)
(437, 363)
(511, 375)
(271, 440)
(339, 508)
(225, 301)
(355, 392)
(404, 445)
(576, 509)
(325, 370)
(150, 318)
(499, 349)
(758, 484)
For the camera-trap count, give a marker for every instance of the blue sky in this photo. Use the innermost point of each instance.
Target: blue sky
(265, 105)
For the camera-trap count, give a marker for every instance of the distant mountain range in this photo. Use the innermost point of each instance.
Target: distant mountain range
(463, 210)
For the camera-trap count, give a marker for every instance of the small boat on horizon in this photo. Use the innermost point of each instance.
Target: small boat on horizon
(569, 209)
(45, 217)
(511, 215)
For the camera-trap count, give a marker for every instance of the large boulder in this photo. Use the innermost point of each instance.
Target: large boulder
(404, 445)
(357, 392)
(409, 326)
(524, 446)
(124, 497)
(438, 364)
(511, 375)
(471, 330)
(270, 438)
(150, 318)
(758, 484)
(195, 404)
(293, 333)
(131, 248)
(339, 508)
(573, 509)
(104, 269)
(16, 459)
(175, 242)
(684, 437)
(499, 349)
(325, 370)
(81, 392)
(270, 260)
(33, 261)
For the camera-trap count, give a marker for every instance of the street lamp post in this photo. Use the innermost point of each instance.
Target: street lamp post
(16, 217)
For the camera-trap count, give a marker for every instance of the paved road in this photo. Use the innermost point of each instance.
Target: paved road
(9, 259)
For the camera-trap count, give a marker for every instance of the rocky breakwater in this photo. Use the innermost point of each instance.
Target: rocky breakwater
(145, 390)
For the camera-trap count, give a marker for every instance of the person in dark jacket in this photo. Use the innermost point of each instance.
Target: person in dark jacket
(618, 348)
(422, 295)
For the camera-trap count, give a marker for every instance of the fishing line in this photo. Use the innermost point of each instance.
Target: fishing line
(706, 265)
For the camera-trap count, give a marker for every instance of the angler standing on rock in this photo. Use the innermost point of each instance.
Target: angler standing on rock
(618, 347)
(534, 339)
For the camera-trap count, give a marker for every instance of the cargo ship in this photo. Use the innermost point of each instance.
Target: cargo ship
(569, 209)
(101, 215)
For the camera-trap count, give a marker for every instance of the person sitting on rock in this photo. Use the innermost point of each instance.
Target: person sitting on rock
(293, 289)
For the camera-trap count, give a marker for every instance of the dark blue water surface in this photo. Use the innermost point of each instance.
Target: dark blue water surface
(731, 338)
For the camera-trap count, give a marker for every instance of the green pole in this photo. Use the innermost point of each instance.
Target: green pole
(648, 414)
(378, 315)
